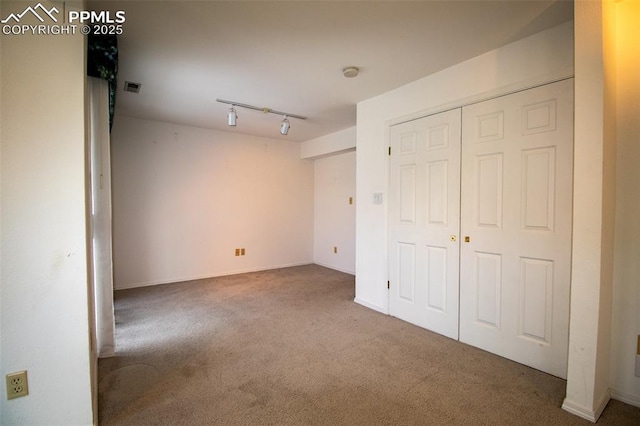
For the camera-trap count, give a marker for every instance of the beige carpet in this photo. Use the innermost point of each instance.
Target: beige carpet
(290, 347)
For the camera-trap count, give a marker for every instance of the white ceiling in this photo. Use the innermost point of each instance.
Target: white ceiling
(289, 55)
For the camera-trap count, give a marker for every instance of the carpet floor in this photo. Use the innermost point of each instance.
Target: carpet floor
(290, 347)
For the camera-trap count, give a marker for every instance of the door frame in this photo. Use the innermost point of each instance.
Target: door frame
(461, 103)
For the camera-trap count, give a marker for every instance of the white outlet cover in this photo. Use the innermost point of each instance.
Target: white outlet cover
(377, 198)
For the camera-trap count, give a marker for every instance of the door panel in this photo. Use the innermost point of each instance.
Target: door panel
(516, 191)
(423, 216)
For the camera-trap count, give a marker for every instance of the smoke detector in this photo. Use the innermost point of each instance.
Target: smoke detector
(350, 72)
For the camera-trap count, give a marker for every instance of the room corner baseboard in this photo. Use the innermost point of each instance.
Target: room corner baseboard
(578, 410)
(207, 276)
(626, 398)
(584, 412)
(335, 268)
(370, 305)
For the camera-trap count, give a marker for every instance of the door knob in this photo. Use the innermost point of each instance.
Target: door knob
(452, 238)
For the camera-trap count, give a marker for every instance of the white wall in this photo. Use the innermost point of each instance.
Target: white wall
(334, 183)
(626, 291)
(537, 59)
(184, 198)
(334, 217)
(43, 281)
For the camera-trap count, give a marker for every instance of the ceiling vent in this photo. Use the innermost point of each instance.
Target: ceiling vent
(132, 87)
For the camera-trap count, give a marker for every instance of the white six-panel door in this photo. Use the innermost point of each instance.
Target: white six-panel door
(517, 158)
(424, 222)
(503, 284)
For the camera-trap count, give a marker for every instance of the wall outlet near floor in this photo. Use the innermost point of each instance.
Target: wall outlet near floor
(17, 385)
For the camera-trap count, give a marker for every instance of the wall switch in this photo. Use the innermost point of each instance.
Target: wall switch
(335, 249)
(242, 252)
(377, 198)
(17, 385)
(350, 200)
(237, 252)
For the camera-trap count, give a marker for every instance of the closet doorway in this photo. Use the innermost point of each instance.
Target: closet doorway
(480, 224)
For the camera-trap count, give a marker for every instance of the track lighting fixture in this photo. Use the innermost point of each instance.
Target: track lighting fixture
(284, 125)
(232, 117)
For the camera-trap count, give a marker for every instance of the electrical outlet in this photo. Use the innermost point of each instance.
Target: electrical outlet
(17, 385)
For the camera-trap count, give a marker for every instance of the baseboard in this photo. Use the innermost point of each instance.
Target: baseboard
(370, 306)
(604, 400)
(626, 398)
(587, 413)
(335, 268)
(212, 275)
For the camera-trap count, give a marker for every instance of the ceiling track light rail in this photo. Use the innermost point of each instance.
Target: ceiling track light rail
(263, 109)
(232, 116)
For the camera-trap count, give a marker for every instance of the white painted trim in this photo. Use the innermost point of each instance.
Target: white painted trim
(109, 354)
(586, 413)
(491, 94)
(327, 145)
(370, 305)
(604, 400)
(578, 410)
(627, 398)
(203, 277)
(335, 268)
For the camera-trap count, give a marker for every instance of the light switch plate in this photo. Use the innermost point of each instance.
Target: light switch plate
(377, 198)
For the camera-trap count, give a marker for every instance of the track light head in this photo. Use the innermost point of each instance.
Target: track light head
(284, 126)
(232, 117)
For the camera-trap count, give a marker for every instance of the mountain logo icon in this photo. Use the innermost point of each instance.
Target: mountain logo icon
(34, 11)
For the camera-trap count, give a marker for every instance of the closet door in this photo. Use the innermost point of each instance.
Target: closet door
(516, 188)
(424, 221)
